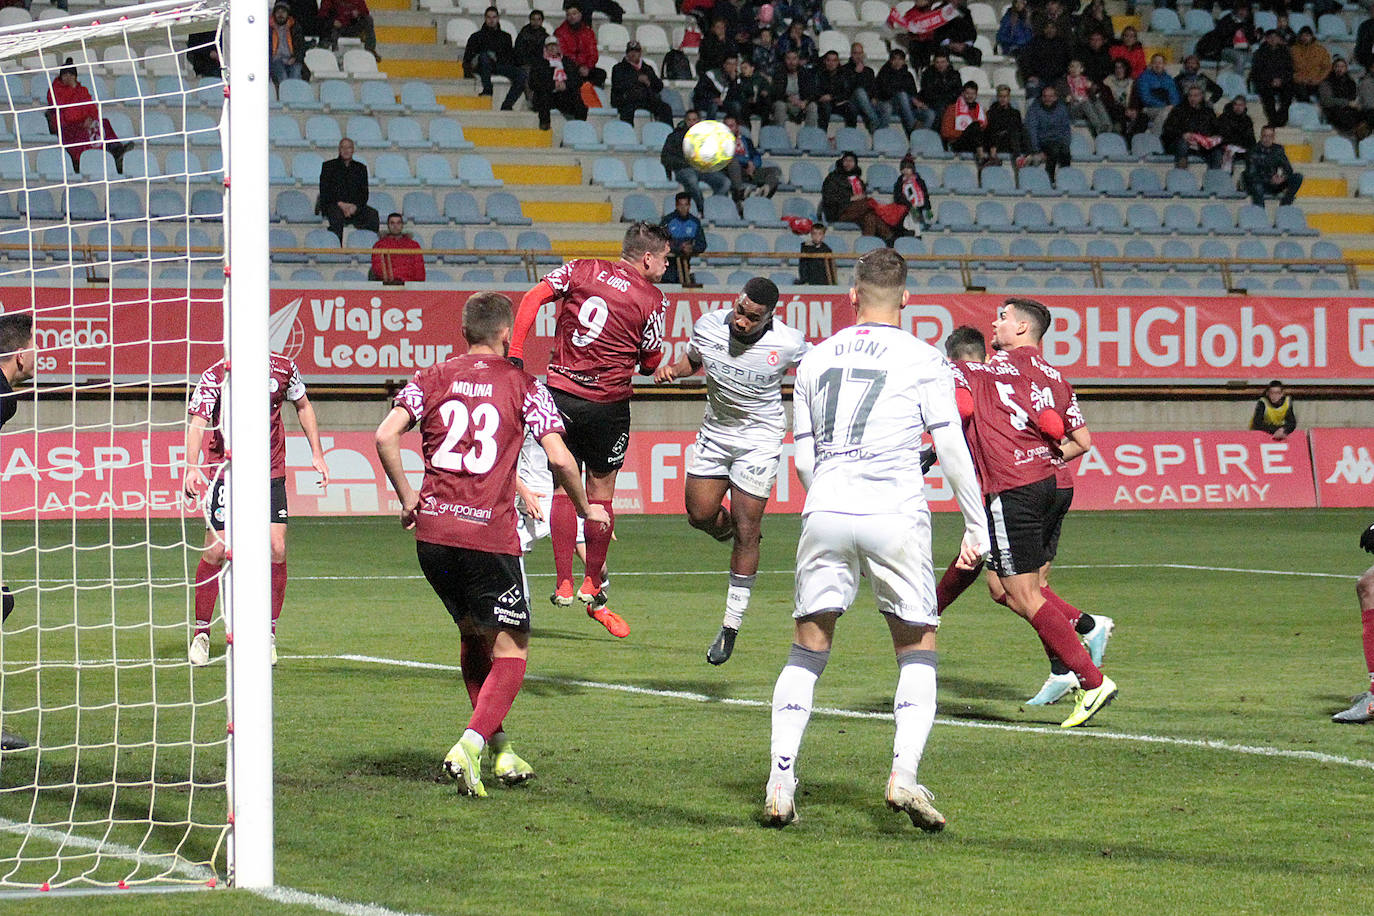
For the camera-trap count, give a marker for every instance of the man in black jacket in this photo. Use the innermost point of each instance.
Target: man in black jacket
(1192, 75)
(717, 93)
(1191, 129)
(529, 44)
(958, 35)
(794, 92)
(555, 83)
(1271, 73)
(1095, 56)
(490, 51)
(1044, 61)
(894, 89)
(1364, 44)
(343, 192)
(861, 86)
(1268, 171)
(634, 85)
(677, 166)
(832, 92)
(940, 84)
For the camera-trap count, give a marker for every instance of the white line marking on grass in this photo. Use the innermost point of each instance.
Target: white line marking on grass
(1227, 569)
(1211, 745)
(327, 904)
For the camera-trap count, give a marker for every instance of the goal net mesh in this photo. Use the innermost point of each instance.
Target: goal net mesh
(112, 238)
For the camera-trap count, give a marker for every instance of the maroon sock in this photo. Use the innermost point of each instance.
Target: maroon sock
(498, 693)
(598, 539)
(475, 660)
(278, 591)
(1060, 639)
(953, 583)
(1066, 610)
(563, 533)
(1367, 619)
(207, 593)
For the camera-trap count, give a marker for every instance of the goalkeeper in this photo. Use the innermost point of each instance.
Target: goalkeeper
(17, 359)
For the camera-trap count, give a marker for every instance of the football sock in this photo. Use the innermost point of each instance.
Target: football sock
(1367, 619)
(207, 592)
(1070, 613)
(1060, 639)
(1057, 665)
(598, 538)
(953, 583)
(497, 694)
(7, 598)
(563, 534)
(475, 661)
(737, 599)
(913, 708)
(1085, 624)
(792, 698)
(278, 591)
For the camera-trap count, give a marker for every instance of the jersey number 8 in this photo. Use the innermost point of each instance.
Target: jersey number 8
(484, 421)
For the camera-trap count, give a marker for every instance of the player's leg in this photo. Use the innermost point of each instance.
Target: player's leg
(747, 511)
(704, 500)
(208, 576)
(563, 536)
(1362, 710)
(954, 582)
(1095, 629)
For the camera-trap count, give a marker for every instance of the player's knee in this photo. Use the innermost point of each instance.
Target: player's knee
(747, 531)
(279, 552)
(701, 517)
(1364, 589)
(213, 554)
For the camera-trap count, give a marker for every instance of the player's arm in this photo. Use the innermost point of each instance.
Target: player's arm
(804, 441)
(529, 499)
(680, 369)
(1077, 444)
(567, 476)
(530, 305)
(193, 481)
(305, 415)
(957, 464)
(389, 453)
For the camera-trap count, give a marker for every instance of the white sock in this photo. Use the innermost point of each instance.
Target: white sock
(737, 599)
(913, 708)
(792, 698)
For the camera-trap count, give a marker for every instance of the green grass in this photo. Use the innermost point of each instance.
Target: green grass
(647, 803)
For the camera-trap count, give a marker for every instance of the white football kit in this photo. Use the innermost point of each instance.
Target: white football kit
(742, 432)
(533, 471)
(862, 400)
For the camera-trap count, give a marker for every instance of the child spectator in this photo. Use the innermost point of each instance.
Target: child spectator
(686, 236)
(816, 271)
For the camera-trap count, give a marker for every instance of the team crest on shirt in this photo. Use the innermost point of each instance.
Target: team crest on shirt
(479, 365)
(273, 385)
(773, 357)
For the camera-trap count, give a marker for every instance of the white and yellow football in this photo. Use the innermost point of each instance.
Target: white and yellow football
(708, 146)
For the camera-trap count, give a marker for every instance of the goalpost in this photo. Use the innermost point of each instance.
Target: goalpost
(134, 233)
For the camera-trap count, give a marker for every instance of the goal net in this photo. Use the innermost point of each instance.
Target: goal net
(116, 771)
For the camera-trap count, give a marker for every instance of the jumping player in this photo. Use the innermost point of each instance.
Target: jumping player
(747, 352)
(1362, 710)
(608, 321)
(533, 493)
(204, 411)
(861, 402)
(18, 359)
(473, 411)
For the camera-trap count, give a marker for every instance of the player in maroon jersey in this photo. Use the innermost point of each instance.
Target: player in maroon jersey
(205, 414)
(608, 321)
(473, 411)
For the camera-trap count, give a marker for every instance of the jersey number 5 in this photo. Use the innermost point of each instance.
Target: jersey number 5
(1019, 418)
(484, 421)
(832, 381)
(592, 316)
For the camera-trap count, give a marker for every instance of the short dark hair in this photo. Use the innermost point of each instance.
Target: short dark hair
(968, 343)
(970, 85)
(881, 268)
(572, 6)
(397, 215)
(642, 238)
(16, 333)
(485, 316)
(491, 9)
(939, 54)
(680, 196)
(1274, 383)
(539, 13)
(763, 291)
(1032, 311)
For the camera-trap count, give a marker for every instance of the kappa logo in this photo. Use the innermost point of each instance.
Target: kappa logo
(795, 707)
(1353, 467)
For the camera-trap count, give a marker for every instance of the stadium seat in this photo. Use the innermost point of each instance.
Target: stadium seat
(359, 238)
(1254, 220)
(1106, 218)
(1023, 247)
(1081, 148)
(164, 202)
(306, 275)
(1108, 181)
(461, 207)
(881, 177)
(1068, 217)
(1060, 281)
(1030, 217)
(202, 130)
(294, 95)
(932, 175)
(105, 240)
(1146, 183)
(366, 132)
(812, 141)
(1289, 251)
(1182, 183)
(294, 207)
(451, 239)
(805, 176)
(906, 246)
(1112, 147)
(854, 140)
(475, 171)
(433, 169)
(322, 64)
(654, 134)
(140, 164)
(1324, 284)
(378, 98)
(648, 173)
(493, 240)
(1165, 21)
(1332, 27)
(323, 239)
(1172, 282)
(653, 38)
(925, 144)
(992, 215)
(83, 204)
(1219, 183)
(419, 207)
(638, 208)
(361, 65)
(619, 136)
(775, 140)
(393, 169)
(1147, 146)
(610, 173)
(305, 168)
(891, 142)
(761, 212)
(1069, 253)
(1144, 219)
(1198, 22)
(418, 97)
(960, 179)
(954, 216)
(278, 237)
(337, 95)
(1215, 219)
(504, 210)
(799, 206)
(1340, 150)
(989, 247)
(1142, 248)
(124, 204)
(720, 244)
(536, 241)
(1176, 250)
(1103, 248)
(447, 134)
(405, 133)
(321, 132)
(705, 278)
(753, 242)
(1291, 220)
(1033, 179)
(1181, 219)
(1328, 250)
(997, 180)
(52, 165)
(1254, 248)
(721, 212)
(942, 281)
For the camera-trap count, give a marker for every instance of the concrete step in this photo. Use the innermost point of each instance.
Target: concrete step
(389, 5)
(1299, 152)
(406, 34)
(409, 51)
(412, 68)
(546, 211)
(1313, 187)
(542, 174)
(466, 102)
(522, 137)
(1353, 224)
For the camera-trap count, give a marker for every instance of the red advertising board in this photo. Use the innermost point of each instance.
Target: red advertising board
(1343, 462)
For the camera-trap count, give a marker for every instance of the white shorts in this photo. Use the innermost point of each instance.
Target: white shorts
(751, 468)
(532, 529)
(892, 550)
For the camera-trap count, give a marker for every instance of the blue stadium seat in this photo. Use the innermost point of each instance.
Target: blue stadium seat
(461, 207)
(610, 173)
(1136, 282)
(1215, 250)
(140, 164)
(325, 240)
(376, 96)
(359, 238)
(418, 96)
(53, 165)
(705, 278)
(762, 212)
(493, 240)
(720, 244)
(1024, 247)
(82, 204)
(720, 211)
(433, 169)
(294, 95)
(366, 131)
(1144, 219)
(405, 133)
(799, 206)
(813, 141)
(805, 176)
(1325, 249)
(1103, 248)
(1142, 248)
(1107, 180)
(1324, 284)
(1210, 283)
(755, 242)
(1106, 218)
(393, 169)
(925, 144)
(447, 134)
(536, 241)
(948, 246)
(504, 210)
(881, 177)
(1254, 220)
(1147, 146)
(305, 168)
(908, 245)
(639, 208)
(451, 239)
(276, 169)
(1339, 150)
(854, 140)
(1068, 217)
(932, 175)
(57, 242)
(581, 135)
(891, 142)
(475, 171)
(992, 215)
(1081, 148)
(124, 204)
(942, 281)
(648, 173)
(988, 247)
(1165, 21)
(1215, 219)
(1291, 220)
(1220, 183)
(1069, 253)
(164, 202)
(1182, 183)
(654, 134)
(105, 239)
(321, 131)
(1290, 251)
(960, 179)
(337, 95)
(954, 216)
(207, 204)
(1172, 282)
(1286, 284)
(382, 202)
(1060, 281)
(619, 136)
(1332, 27)
(1198, 22)
(1146, 183)
(479, 275)
(738, 278)
(1254, 248)
(306, 275)
(998, 180)
(1034, 180)
(774, 140)
(277, 237)
(1177, 249)
(420, 207)
(1181, 219)
(1030, 217)
(1112, 147)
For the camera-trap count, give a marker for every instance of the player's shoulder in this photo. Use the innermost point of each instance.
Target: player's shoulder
(788, 335)
(713, 321)
(213, 375)
(283, 364)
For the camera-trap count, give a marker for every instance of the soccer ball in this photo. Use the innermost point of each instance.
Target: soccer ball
(708, 146)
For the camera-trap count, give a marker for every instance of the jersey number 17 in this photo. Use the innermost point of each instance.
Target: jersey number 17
(861, 387)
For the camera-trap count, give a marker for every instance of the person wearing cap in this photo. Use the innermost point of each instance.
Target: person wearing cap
(556, 83)
(75, 118)
(285, 43)
(635, 85)
(489, 51)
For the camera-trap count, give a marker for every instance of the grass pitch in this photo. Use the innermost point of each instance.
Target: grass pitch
(649, 800)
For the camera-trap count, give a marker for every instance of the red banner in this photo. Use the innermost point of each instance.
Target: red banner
(1343, 461)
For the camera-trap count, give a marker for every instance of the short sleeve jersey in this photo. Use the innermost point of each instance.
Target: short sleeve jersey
(533, 467)
(1008, 449)
(285, 384)
(864, 397)
(608, 320)
(473, 411)
(1049, 390)
(744, 382)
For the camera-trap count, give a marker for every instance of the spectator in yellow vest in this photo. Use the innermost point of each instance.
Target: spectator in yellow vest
(1274, 412)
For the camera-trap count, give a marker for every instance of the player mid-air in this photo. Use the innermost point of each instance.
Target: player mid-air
(608, 322)
(206, 416)
(747, 352)
(861, 402)
(1362, 709)
(473, 411)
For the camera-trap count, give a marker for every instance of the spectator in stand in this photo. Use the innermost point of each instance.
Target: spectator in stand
(755, 93)
(1192, 75)
(860, 77)
(577, 41)
(764, 52)
(1044, 61)
(1237, 131)
(397, 268)
(1274, 412)
(285, 46)
(957, 36)
(608, 8)
(75, 118)
(1364, 45)
(203, 54)
(635, 85)
(1083, 98)
(1050, 130)
(1268, 173)
(717, 92)
(738, 17)
(894, 90)
(1158, 93)
(686, 238)
(1096, 57)
(940, 84)
(796, 39)
(1285, 31)
(1131, 51)
(832, 92)
(964, 124)
(716, 45)
(1123, 104)
(1095, 20)
(919, 25)
(1191, 130)
(1006, 133)
(348, 19)
(556, 83)
(490, 51)
(1339, 98)
(911, 192)
(307, 15)
(529, 43)
(747, 173)
(1271, 75)
(1233, 39)
(794, 92)
(816, 271)
(1364, 94)
(1052, 13)
(1015, 32)
(344, 192)
(845, 198)
(1311, 65)
(679, 169)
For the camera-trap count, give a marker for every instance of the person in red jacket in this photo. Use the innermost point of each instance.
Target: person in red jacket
(577, 41)
(348, 18)
(397, 268)
(76, 119)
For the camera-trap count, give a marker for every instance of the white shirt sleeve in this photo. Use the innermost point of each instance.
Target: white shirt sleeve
(805, 453)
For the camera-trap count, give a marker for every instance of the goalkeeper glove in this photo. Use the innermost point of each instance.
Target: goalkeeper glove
(927, 460)
(1367, 539)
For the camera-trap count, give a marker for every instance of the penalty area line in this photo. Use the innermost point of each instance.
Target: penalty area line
(690, 696)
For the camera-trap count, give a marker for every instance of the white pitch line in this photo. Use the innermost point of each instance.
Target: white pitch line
(1213, 745)
(327, 904)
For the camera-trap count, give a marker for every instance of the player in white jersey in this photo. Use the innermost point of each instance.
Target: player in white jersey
(746, 352)
(861, 402)
(533, 495)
